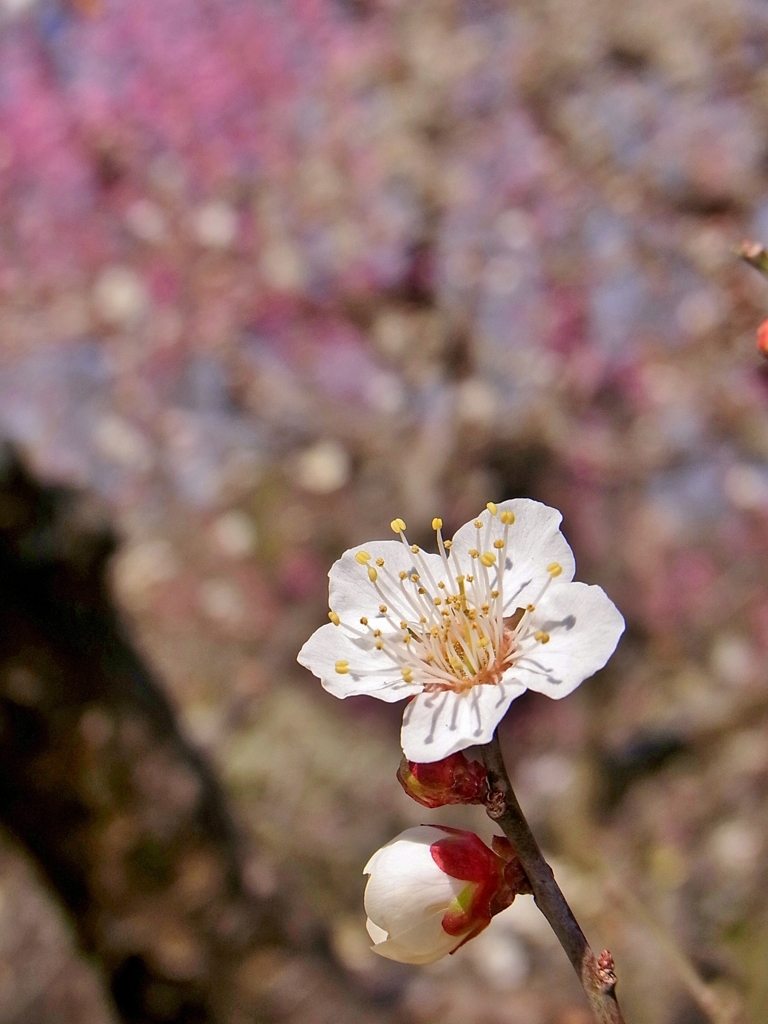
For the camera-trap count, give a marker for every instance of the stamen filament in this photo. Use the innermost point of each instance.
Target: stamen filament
(447, 634)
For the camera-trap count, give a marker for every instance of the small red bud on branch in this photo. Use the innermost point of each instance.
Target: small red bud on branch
(454, 780)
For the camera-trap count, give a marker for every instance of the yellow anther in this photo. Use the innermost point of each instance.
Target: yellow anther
(422, 619)
(494, 593)
(479, 524)
(474, 553)
(498, 544)
(485, 607)
(491, 506)
(441, 585)
(403, 625)
(372, 574)
(437, 524)
(407, 675)
(407, 639)
(421, 590)
(397, 525)
(470, 579)
(334, 618)
(554, 569)
(541, 636)
(379, 645)
(483, 641)
(447, 544)
(362, 558)
(363, 621)
(403, 574)
(380, 562)
(507, 518)
(530, 607)
(383, 609)
(415, 548)
(436, 601)
(415, 577)
(377, 632)
(488, 559)
(342, 667)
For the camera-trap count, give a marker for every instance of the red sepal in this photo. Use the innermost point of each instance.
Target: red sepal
(465, 856)
(495, 877)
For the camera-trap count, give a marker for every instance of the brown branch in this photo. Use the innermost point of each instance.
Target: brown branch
(595, 973)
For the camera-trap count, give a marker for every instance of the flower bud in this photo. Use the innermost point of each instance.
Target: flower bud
(454, 780)
(433, 888)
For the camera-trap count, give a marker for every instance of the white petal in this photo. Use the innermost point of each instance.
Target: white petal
(353, 595)
(423, 944)
(370, 671)
(407, 896)
(438, 724)
(376, 933)
(534, 542)
(584, 626)
(406, 886)
(421, 835)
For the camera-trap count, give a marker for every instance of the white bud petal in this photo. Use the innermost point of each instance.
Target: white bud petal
(407, 896)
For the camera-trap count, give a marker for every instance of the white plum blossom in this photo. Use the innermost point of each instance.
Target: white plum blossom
(432, 888)
(465, 631)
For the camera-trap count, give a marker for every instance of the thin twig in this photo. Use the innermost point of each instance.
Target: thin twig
(717, 1007)
(754, 254)
(714, 1005)
(596, 974)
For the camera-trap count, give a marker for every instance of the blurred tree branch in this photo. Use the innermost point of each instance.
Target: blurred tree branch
(127, 821)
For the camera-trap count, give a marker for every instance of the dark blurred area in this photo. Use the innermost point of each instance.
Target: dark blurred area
(272, 273)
